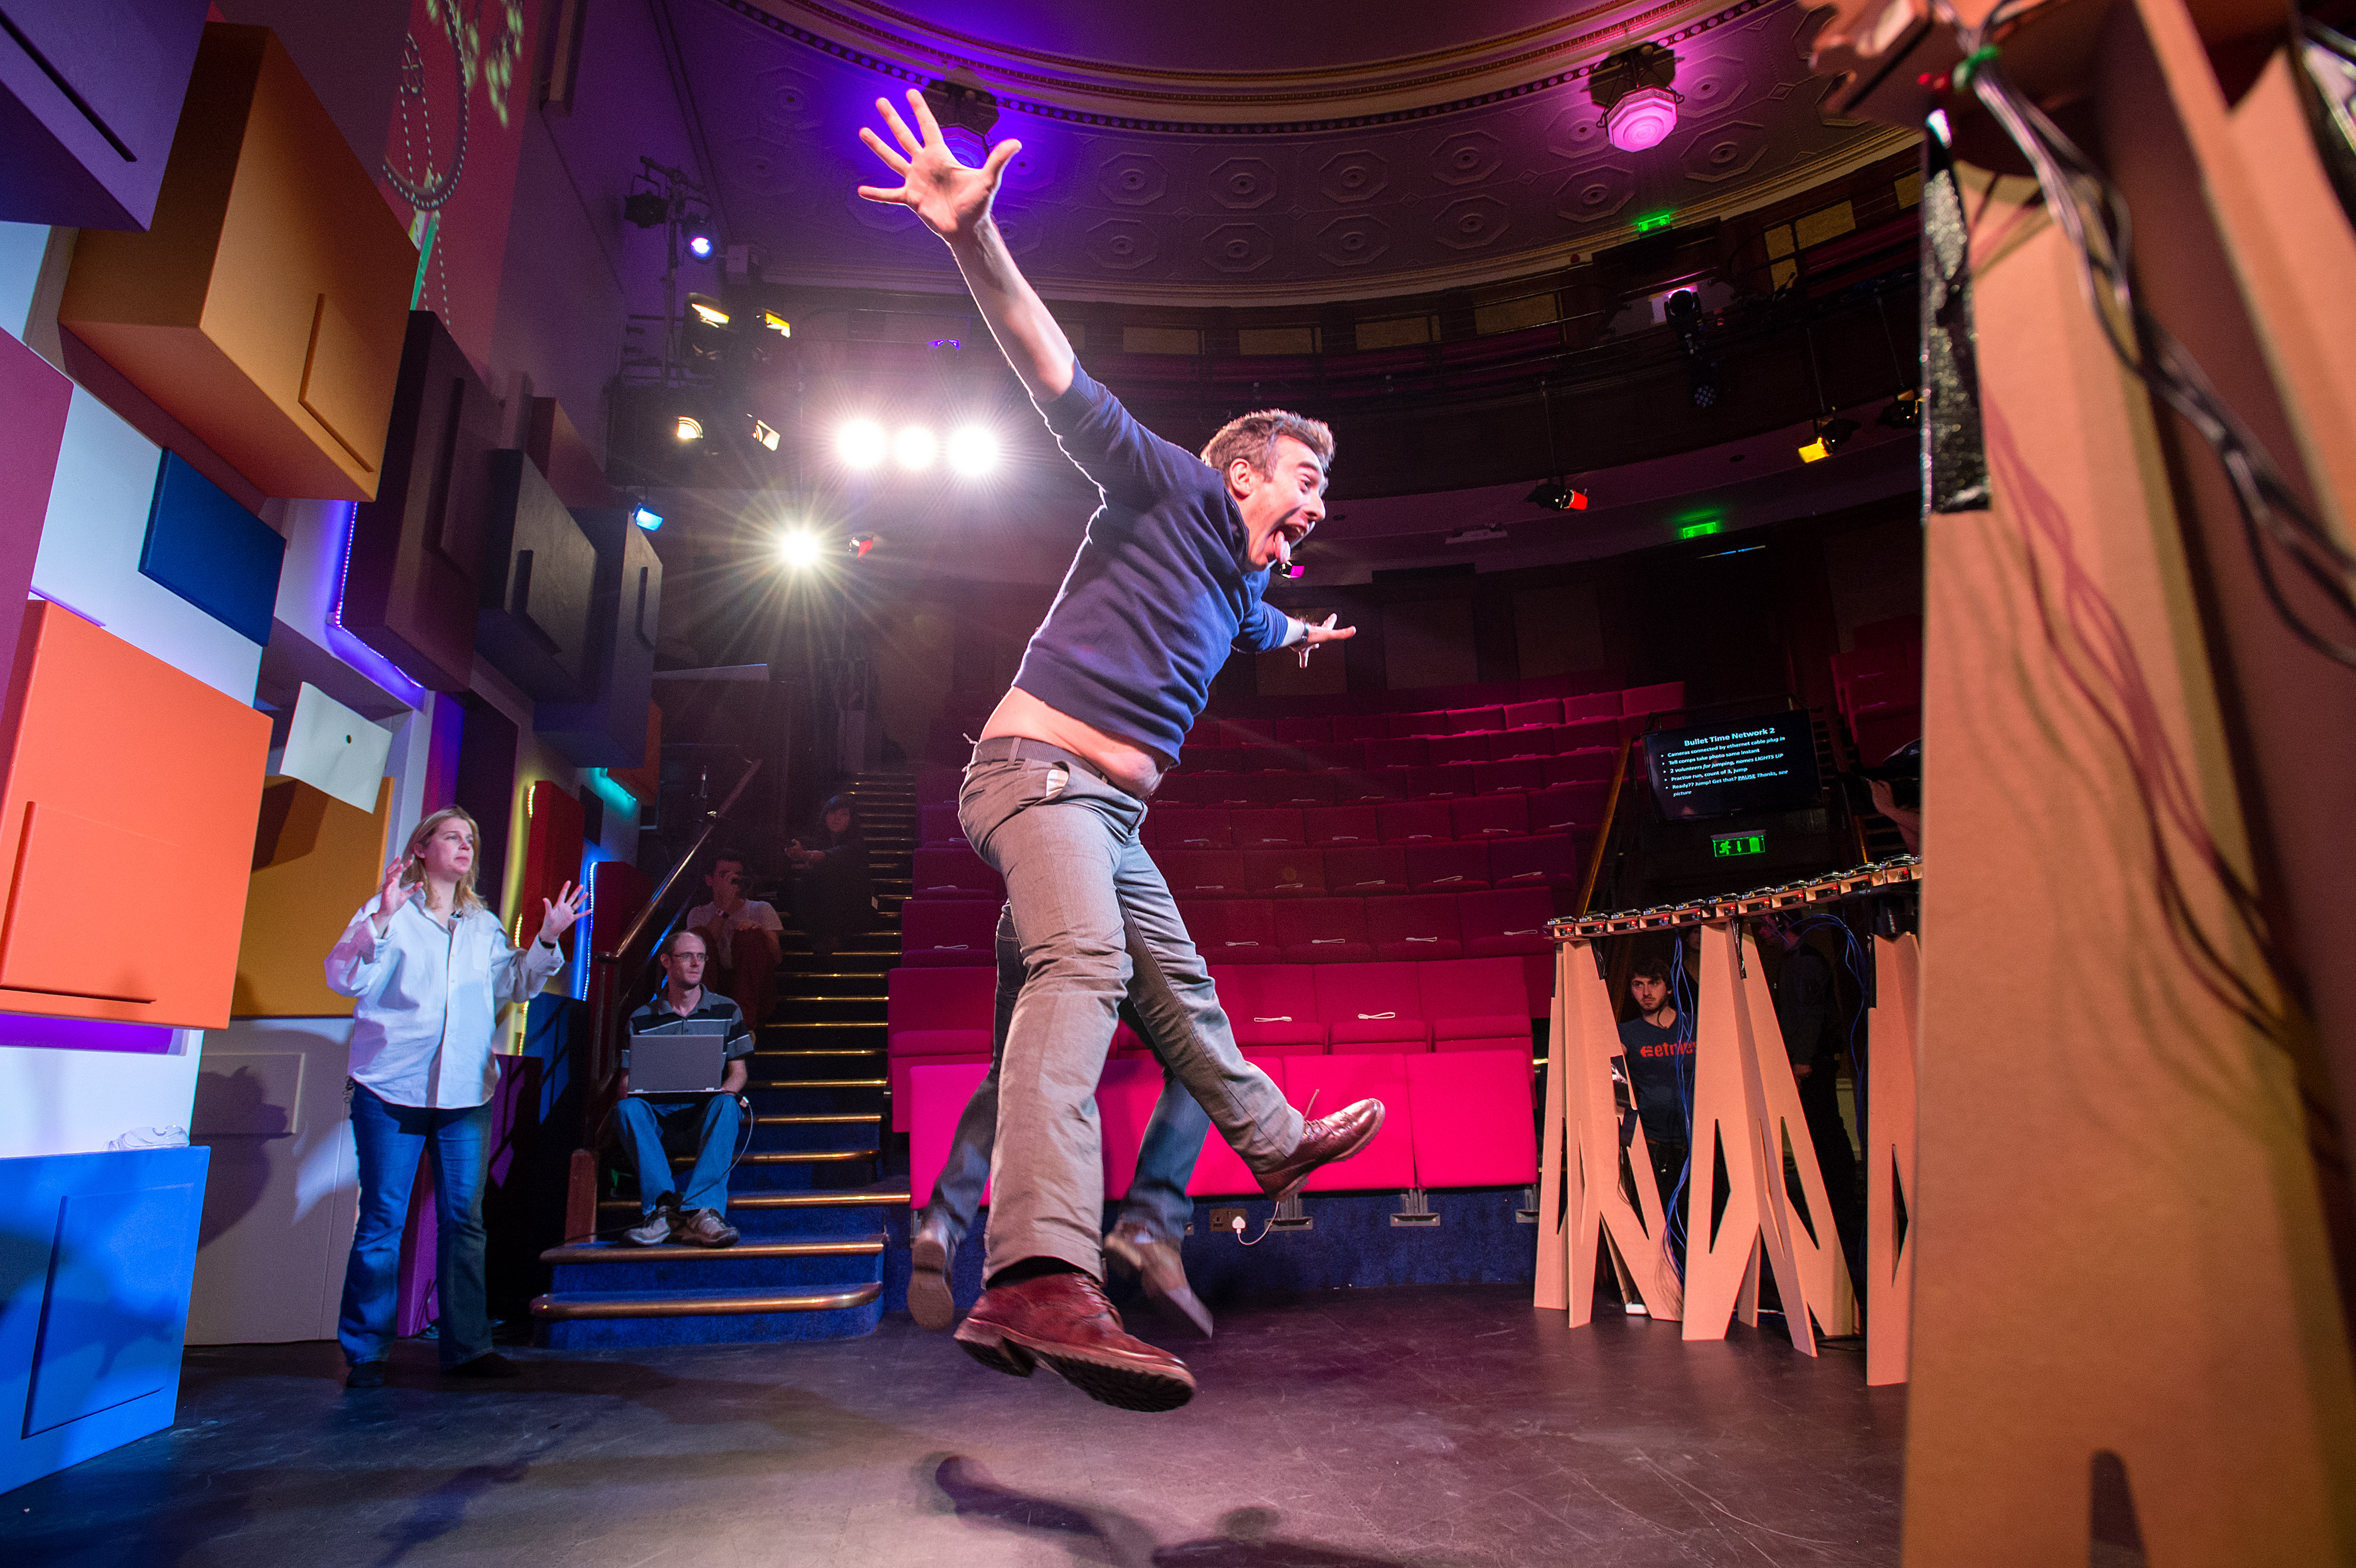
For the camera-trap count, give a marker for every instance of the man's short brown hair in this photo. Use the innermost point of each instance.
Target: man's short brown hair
(1253, 438)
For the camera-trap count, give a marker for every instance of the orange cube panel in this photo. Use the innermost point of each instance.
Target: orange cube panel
(646, 777)
(315, 859)
(265, 307)
(126, 780)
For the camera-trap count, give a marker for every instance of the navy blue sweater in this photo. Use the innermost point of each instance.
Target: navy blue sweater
(1160, 592)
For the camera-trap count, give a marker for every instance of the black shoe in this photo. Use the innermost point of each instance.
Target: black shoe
(489, 1364)
(930, 1300)
(365, 1375)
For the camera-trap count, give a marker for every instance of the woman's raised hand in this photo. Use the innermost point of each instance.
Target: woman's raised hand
(393, 893)
(949, 197)
(557, 914)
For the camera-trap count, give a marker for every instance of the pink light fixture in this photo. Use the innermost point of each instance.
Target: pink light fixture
(1631, 88)
(1643, 119)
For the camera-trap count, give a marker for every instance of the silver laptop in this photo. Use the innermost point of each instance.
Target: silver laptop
(690, 1057)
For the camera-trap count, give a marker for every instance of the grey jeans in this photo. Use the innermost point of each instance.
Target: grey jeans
(1084, 894)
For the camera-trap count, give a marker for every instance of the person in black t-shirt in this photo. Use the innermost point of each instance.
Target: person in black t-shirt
(717, 1119)
(1658, 1046)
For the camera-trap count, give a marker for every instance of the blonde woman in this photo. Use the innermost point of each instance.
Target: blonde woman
(430, 970)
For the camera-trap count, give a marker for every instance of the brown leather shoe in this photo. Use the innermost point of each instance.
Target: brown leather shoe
(930, 1301)
(703, 1228)
(1155, 1262)
(1323, 1141)
(1065, 1321)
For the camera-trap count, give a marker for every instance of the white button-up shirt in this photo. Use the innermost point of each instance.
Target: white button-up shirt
(429, 1001)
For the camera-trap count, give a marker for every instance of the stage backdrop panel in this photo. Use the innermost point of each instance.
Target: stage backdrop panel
(411, 579)
(316, 860)
(265, 308)
(90, 93)
(37, 400)
(96, 1251)
(609, 731)
(121, 772)
(538, 575)
(208, 550)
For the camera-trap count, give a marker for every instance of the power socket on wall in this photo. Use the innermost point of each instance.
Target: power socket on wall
(1225, 1219)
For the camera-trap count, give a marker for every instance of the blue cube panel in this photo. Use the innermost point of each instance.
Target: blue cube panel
(211, 551)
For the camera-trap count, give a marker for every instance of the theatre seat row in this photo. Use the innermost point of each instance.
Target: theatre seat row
(1567, 808)
(1452, 1121)
(1282, 1010)
(1405, 751)
(1639, 702)
(1536, 860)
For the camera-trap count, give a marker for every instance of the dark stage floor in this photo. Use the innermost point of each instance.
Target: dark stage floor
(1440, 1425)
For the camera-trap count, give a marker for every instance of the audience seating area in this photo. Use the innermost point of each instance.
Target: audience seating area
(942, 1016)
(1453, 1121)
(1878, 686)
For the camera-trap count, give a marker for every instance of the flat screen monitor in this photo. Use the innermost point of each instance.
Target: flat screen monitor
(1763, 763)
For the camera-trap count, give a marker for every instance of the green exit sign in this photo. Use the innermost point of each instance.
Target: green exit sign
(1725, 846)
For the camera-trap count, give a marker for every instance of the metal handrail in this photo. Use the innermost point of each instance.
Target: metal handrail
(711, 820)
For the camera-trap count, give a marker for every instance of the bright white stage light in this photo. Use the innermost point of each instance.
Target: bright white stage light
(861, 443)
(799, 550)
(973, 450)
(916, 447)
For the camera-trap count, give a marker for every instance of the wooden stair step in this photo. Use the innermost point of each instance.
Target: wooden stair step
(817, 1197)
(620, 1252)
(564, 1308)
(822, 1083)
(819, 1119)
(788, 1156)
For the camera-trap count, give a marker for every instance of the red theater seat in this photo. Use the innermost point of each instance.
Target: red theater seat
(1206, 733)
(1342, 825)
(1298, 790)
(1482, 816)
(1273, 1008)
(938, 826)
(1233, 931)
(1359, 872)
(1350, 727)
(1251, 732)
(1522, 745)
(1418, 928)
(1525, 715)
(1203, 874)
(937, 784)
(1178, 789)
(1125, 1098)
(1592, 765)
(939, 933)
(1447, 867)
(936, 1096)
(1192, 827)
(1590, 732)
(1415, 822)
(1334, 756)
(1522, 774)
(1268, 828)
(934, 1015)
(1320, 1085)
(1470, 747)
(1434, 723)
(1372, 1008)
(1505, 921)
(1215, 760)
(1234, 791)
(1303, 731)
(1358, 788)
(1665, 698)
(1471, 720)
(1594, 705)
(1404, 752)
(953, 873)
(1567, 807)
(1545, 860)
(1324, 931)
(1434, 784)
(1471, 1126)
(1474, 987)
(1297, 874)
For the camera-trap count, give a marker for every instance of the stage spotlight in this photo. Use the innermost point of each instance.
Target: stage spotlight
(1904, 413)
(915, 448)
(648, 209)
(707, 310)
(799, 550)
(1555, 495)
(763, 433)
(646, 516)
(689, 428)
(699, 245)
(861, 443)
(860, 545)
(973, 450)
(777, 324)
(1829, 436)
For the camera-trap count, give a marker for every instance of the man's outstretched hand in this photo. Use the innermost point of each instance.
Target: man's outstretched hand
(1323, 632)
(950, 199)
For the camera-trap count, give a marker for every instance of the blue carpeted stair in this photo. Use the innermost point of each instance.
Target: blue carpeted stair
(824, 1247)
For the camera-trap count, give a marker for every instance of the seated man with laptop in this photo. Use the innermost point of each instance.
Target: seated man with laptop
(684, 1066)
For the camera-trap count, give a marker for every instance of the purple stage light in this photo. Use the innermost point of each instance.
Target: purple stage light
(1643, 119)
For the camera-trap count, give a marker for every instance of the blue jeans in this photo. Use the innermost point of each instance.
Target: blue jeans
(717, 1117)
(1165, 1160)
(1097, 925)
(389, 1139)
